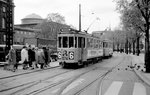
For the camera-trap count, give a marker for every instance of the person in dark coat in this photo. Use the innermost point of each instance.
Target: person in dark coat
(30, 56)
(12, 59)
(46, 56)
(33, 58)
(36, 57)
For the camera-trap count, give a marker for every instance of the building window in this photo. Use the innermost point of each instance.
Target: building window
(3, 23)
(4, 9)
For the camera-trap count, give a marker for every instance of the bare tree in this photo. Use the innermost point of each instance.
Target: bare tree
(56, 17)
(139, 14)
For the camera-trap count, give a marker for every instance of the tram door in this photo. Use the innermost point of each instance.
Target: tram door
(81, 46)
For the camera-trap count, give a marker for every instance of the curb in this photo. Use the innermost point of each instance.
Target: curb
(142, 77)
(24, 73)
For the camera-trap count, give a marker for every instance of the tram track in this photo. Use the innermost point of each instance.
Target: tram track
(81, 90)
(100, 83)
(49, 86)
(21, 74)
(12, 78)
(71, 81)
(45, 87)
(33, 83)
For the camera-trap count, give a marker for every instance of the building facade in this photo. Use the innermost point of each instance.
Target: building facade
(6, 22)
(22, 33)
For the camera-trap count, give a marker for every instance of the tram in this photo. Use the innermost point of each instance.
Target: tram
(81, 48)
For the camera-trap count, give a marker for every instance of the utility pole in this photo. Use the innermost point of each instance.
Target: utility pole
(79, 17)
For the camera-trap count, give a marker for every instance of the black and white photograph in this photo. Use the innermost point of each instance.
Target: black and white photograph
(74, 47)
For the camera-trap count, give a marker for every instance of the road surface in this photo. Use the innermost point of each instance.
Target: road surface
(111, 76)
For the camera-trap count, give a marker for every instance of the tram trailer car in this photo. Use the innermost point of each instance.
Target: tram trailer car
(79, 48)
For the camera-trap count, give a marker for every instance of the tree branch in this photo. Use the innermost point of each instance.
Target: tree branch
(139, 7)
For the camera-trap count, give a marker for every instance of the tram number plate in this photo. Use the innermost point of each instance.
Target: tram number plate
(67, 55)
(71, 55)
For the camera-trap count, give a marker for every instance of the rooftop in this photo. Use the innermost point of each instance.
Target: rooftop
(33, 16)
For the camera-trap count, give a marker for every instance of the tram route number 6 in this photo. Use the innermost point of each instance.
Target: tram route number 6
(70, 54)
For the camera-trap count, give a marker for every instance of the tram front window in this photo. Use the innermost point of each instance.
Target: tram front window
(65, 42)
(71, 42)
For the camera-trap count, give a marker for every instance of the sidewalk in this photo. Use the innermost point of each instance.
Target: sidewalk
(138, 62)
(20, 71)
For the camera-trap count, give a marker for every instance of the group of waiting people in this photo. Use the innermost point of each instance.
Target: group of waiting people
(31, 57)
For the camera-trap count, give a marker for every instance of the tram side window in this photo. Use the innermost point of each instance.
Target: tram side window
(105, 44)
(65, 42)
(79, 42)
(84, 42)
(59, 45)
(71, 42)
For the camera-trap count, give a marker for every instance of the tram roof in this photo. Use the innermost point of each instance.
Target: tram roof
(77, 32)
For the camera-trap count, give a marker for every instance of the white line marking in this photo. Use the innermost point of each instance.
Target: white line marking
(114, 88)
(56, 90)
(139, 89)
(73, 85)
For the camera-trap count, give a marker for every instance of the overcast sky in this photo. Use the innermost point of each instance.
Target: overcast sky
(103, 9)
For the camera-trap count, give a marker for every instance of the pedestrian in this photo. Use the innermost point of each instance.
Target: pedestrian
(12, 59)
(24, 57)
(41, 58)
(46, 56)
(30, 56)
(36, 56)
(33, 58)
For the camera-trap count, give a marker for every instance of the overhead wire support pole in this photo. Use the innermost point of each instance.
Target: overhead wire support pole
(91, 24)
(79, 17)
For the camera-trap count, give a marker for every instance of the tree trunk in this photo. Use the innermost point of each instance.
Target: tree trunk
(126, 47)
(133, 47)
(130, 48)
(137, 46)
(118, 47)
(147, 55)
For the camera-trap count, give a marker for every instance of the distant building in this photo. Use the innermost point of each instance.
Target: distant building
(98, 33)
(27, 28)
(34, 26)
(30, 21)
(21, 33)
(106, 34)
(6, 21)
